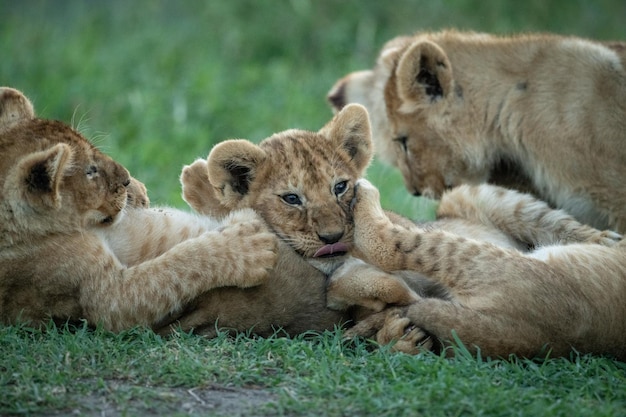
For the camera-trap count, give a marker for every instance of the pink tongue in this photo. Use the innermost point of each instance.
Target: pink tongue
(330, 249)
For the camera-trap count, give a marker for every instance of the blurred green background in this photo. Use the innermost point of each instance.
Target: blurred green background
(156, 83)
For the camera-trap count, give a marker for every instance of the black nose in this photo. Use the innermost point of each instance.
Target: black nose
(416, 193)
(330, 238)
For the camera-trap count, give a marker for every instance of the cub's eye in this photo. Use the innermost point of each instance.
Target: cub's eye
(292, 199)
(340, 188)
(91, 171)
(402, 141)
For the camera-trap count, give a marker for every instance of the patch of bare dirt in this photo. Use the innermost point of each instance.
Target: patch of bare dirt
(123, 399)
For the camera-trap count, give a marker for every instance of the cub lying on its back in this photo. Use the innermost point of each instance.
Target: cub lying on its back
(63, 254)
(502, 301)
(450, 108)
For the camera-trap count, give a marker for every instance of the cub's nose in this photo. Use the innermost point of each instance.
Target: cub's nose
(330, 238)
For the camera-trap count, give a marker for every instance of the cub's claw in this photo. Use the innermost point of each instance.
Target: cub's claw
(391, 326)
(405, 336)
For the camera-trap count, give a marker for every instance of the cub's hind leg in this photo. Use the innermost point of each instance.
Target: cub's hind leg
(434, 324)
(521, 216)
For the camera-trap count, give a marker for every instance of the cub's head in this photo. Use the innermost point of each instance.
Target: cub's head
(53, 180)
(417, 111)
(300, 182)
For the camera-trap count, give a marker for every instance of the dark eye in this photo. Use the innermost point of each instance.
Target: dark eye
(402, 141)
(340, 188)
(292, 199)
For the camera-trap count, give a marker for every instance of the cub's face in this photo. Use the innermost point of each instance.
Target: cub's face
(97, 184)
(304, 192)
(60, 182)
(413, 105)
(300, 182)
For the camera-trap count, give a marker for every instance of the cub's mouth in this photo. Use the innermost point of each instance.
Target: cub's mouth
(332, 250)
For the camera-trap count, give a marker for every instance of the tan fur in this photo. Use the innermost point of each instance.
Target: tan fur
(291, 179)
(537, 112)
(562, 295)
(71, 249)
(240, 174)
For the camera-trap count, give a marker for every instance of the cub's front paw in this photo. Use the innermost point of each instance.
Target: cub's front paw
(198, 191)
(374, 233)
(405, 336)
(254, 252)
(366, 202)
(137, 194)
(359, 284)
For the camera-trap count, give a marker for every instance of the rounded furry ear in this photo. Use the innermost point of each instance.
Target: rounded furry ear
(14, 108)
(350, 130)
(39, 175)
(424, 75)
(232, 166)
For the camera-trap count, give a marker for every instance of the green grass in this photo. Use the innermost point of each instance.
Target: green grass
(63, 370)
(155, 84)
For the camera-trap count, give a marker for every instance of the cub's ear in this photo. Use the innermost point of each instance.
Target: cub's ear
(350, 130)
(40, 174)
(198, 191)
(232, 166)
(14, 108)
(424, 75)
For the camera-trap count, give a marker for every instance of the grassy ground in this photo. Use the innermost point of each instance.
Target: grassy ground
(138, 373)
(155, 84)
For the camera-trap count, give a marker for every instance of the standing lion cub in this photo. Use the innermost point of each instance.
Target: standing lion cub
(452, 107)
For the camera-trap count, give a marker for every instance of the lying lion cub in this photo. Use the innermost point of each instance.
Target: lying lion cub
(67, 251)
(501, 301)
(550, 112)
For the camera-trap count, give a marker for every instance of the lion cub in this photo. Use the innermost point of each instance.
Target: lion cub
(70, 249)
(502, 301)
(548, 112)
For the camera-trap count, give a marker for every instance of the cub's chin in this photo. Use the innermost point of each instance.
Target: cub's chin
(328, 264)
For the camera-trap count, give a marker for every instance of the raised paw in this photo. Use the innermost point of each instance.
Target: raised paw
(398, 330)
(198, 191)
(366, 202)
(137, 194)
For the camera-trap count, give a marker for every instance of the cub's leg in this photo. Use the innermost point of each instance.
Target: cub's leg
(356, 283)
(431, 324)
(460, 264)
(241, 254)
(519, 215)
